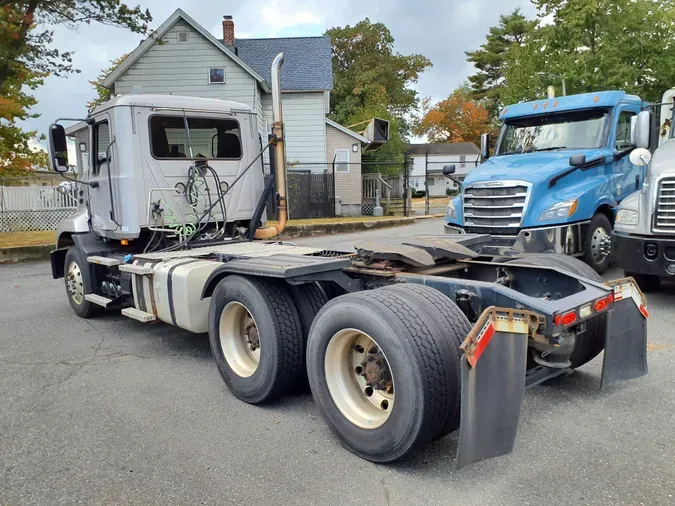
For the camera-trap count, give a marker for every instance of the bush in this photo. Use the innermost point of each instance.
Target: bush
(451, 192)
(419, 193)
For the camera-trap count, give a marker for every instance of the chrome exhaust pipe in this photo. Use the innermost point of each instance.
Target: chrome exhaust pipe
(279, 153)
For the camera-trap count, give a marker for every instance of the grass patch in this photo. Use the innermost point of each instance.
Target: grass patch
(12, 239)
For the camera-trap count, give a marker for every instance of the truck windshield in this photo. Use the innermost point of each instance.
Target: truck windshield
(569, 130)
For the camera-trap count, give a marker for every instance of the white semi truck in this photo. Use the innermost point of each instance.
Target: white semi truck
(402, 341)
(643, 242)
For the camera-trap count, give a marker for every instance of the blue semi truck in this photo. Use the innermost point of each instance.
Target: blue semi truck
(560, 168)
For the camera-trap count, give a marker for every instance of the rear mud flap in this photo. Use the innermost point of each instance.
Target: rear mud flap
(626, 334)
(493, 384)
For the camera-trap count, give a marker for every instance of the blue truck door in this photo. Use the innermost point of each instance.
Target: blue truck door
(626, 177)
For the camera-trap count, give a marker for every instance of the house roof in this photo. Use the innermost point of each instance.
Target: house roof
(444, 148)
(307, 61)
(345, 130)
(160, 32)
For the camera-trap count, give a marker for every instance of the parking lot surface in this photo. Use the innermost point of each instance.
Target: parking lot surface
(111, 411)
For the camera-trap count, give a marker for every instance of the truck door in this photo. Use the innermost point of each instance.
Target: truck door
(626, 177)
(101, 165)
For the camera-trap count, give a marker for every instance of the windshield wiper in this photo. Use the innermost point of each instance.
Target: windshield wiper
(546, 149)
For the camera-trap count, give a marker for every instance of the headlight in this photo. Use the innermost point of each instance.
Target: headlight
(559, 210)
(451, 212)
(627, 217)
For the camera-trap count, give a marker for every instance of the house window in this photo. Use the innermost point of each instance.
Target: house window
(217, 76)
(462, 160)
(101, 142)
(182, 37)
(210, 138)
(342, 160)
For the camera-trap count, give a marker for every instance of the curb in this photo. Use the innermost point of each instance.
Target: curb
(26, 253)
(23, 253)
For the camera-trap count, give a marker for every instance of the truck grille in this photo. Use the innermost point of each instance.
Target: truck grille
(495, 207)
(664, 217)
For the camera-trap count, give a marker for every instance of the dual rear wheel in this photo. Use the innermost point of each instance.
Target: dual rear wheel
(383, 365)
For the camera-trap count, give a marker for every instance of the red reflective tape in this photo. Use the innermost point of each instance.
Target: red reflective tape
(644, 311)
(483, 341)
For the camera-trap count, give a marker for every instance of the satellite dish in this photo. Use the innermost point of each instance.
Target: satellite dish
(640, 157)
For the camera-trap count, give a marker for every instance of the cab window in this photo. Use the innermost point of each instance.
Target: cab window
(623, 131)
(101, 142)
(210, 138)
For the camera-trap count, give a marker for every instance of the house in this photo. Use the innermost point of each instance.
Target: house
(190, 61)
(430, 159)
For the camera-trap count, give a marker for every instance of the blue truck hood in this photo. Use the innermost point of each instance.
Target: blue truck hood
(531, 167)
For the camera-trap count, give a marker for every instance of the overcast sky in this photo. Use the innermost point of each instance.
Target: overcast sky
(440, 30)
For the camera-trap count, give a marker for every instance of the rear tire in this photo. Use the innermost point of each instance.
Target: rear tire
(646, 282)
(592, 341)
(455, 327)
(410, 354)
(599, 227)
(308, 299)
(256, 338)
(79, 282)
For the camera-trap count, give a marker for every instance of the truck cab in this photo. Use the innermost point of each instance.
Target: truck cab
(643, 242)
(561, 167)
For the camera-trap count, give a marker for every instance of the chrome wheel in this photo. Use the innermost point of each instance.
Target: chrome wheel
(239, 339)
(359, 378)
(74, 283)
(599, 241)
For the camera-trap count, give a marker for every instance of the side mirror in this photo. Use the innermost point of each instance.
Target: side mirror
(448, 170)
(639, 134)
(577, 160)
(640, 157)
(485, 146)
(58, 148)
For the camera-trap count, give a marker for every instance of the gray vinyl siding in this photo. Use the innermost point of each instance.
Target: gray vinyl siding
(305, 123)
(182, 69)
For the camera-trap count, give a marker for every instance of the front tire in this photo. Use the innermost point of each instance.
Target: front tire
(79, 283)
(599, 228)
(256, 338)
(378, 375)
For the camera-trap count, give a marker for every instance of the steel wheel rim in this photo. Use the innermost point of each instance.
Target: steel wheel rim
(74, 282)
(363, 405)
(596, 242)
(239, 339)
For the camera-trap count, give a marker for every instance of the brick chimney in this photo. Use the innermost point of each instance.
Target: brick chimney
(228, 31)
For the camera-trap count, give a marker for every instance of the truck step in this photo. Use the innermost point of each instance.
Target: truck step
(99, 300)
(107, 261)
(136, 269)
(136, 314)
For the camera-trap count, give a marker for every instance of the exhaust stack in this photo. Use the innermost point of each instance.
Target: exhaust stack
(279, 154)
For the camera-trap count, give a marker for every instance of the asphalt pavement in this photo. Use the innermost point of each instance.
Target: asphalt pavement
(111, 411)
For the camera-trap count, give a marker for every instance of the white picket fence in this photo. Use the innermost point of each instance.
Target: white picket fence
(28, 208)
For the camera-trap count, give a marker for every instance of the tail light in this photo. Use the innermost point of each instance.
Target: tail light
(566, 319)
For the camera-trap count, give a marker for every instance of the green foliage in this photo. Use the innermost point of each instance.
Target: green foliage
(27, 57)
(492, 59)
(593, 44)
(103, 93)
(372, 80)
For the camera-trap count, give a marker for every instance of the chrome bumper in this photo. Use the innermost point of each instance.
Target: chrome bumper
(566, 239)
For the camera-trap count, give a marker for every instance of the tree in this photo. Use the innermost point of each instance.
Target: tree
(492, 59)
(103, 93)
(27, 57)
(458, 118)
(371, 79)
(594, 45)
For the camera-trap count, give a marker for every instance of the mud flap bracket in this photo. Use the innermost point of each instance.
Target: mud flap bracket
(493, 383)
